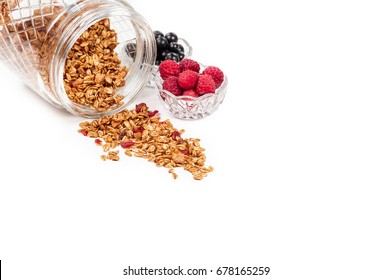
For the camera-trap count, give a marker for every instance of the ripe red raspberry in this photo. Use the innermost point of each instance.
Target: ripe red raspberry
(189, 64)
(205, 85)
(169, 68)
(216, 74)
(191, 93)
(171, 84)
(188, 79)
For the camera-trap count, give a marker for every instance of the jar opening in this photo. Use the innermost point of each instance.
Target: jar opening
(135, 49)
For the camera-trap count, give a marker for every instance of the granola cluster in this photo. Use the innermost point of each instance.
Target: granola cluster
(141, 133)
(93, 71)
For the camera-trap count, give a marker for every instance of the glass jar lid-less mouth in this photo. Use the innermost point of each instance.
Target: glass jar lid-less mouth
(128, 25)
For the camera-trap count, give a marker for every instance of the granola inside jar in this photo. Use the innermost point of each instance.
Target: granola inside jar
(73, 53)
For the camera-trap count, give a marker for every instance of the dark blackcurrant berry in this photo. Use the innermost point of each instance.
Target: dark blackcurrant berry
(162, 43)
(171, 37)
(172, 56)
(176, 47)
(181, 55)
(164, 53)
(158, 33)
(130, 49)
(180, 48)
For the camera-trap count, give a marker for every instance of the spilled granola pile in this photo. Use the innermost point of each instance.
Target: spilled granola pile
(141, 133)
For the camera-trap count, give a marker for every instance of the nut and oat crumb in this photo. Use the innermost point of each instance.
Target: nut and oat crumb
(145, 136)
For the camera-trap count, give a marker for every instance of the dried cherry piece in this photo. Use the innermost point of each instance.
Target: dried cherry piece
(153, 113)
(176, 136)
(127, 144)
(140, 106)
(84, 132)
(139, 129)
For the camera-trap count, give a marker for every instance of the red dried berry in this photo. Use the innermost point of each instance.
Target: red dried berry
(139, 107)
(127, 144)
(84, 132)
(139, 129)
(153, 113)
(185, 152)
(216, 74)
(171, 85)
(98, 142)
(176, 136)
(205, 85)
(189, 64)
(169, 68)
(188, 79)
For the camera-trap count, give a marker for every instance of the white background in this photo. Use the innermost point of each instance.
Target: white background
(302, 148)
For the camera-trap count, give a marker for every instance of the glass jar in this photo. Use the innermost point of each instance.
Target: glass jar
(37, 35)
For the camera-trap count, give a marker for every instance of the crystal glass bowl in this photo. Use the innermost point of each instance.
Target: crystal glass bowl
(191, 108)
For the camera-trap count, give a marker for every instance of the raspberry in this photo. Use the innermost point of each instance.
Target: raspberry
(205, 85)
(169, 68)
(189, 64)
(171, 84)
(191, 93)
(188, 79)
(216, 74)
